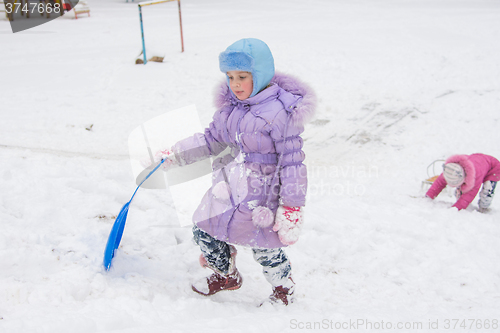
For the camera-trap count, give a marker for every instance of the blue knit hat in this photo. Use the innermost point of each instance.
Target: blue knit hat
(249, 55)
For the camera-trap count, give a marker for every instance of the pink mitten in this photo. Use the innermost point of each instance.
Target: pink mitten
(288, 223)
(163, 154)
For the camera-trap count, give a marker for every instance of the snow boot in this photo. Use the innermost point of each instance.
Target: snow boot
(219, 281)
(282, 295)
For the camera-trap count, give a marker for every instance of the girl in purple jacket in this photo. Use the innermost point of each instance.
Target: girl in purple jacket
(259, 188)
(467, 173)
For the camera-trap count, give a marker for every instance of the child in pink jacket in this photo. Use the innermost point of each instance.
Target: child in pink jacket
(467, 173)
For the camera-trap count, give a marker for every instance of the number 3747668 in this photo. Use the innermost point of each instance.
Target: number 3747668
(41, 8)
(478, 324)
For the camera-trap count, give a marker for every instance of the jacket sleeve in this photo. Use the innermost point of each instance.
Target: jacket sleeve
(202, 145)
(466, 198)
(293, 175)
(436, 187)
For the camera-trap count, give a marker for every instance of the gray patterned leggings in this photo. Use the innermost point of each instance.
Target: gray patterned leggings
(275, 264)
(486, 194)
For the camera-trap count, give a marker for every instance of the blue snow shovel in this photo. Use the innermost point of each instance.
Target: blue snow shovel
(115, 235)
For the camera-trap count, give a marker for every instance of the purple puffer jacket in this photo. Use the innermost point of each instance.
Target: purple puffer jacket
(254, 130)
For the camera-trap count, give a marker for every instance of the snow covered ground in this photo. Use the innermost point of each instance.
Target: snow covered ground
(400, 83)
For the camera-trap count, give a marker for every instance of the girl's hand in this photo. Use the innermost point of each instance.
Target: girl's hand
(163, 154)
(169, 157)
(288, 223)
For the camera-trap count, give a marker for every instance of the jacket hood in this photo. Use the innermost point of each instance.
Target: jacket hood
(470, 171)
(304, 109)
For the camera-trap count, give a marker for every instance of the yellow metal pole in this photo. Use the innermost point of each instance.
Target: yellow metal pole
(148, 3)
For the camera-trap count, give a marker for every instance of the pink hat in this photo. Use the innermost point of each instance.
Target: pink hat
(454, 174)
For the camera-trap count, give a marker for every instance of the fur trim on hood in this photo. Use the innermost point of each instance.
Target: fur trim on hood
(304, 110)
(470, 171)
